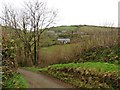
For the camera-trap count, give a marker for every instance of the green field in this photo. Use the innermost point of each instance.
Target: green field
(51, 49)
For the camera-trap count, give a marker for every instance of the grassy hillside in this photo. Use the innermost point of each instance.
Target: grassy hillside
(78, 33)
(84, 38)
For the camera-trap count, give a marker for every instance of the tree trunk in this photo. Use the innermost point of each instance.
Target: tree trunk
(38, 56)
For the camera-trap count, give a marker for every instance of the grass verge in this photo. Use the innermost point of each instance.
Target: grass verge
(17, 81)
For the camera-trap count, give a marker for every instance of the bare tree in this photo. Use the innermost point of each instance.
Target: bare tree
(41, 17)
(29, 24)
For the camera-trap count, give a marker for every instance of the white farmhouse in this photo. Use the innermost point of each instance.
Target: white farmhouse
(64, 40)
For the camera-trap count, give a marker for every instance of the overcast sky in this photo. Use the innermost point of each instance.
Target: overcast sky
(76, 12)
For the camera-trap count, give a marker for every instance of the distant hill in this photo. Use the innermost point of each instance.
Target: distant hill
(85, 28)
(62, 28)
(66, 31)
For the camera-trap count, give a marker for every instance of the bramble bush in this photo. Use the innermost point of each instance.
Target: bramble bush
(102, 54)
(8, 62)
